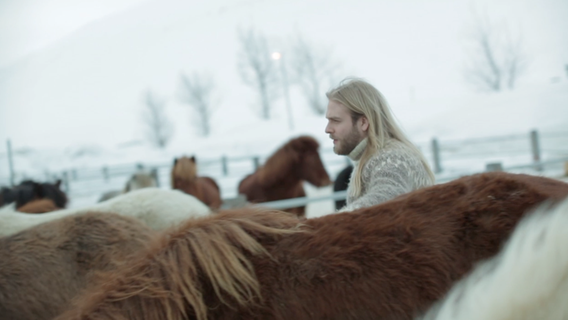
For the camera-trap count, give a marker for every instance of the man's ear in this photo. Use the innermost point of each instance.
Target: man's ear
(364, 124)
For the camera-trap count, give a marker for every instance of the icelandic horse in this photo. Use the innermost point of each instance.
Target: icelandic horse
(282, 176)
(157, 208)
(389, 261)
(184, 177)
(527, 280)
(44, 267)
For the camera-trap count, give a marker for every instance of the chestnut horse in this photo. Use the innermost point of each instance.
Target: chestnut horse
(39, 206)
(527, 280)
(184, 177)
(282, 175)
(389, 261)
(43, 268)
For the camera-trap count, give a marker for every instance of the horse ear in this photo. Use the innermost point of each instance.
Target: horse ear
(175, 161)
(38, 190)
(193, 159)
(58, 183)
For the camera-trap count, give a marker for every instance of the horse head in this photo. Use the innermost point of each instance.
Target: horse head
(184, 170)
(311, 167)
(141, 179)
(53, 191)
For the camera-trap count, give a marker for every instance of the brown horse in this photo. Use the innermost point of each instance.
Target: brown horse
(39, 206)
(44, 267)
(390, 261)
(282, 175)
(184, 177)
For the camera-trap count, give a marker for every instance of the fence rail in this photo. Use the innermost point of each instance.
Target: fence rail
(449, 158)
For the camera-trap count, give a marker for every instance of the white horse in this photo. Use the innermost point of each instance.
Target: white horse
(158, 208)
(527, 280)
(139, 180)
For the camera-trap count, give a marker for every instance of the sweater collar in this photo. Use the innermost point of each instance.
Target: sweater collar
(357, 152)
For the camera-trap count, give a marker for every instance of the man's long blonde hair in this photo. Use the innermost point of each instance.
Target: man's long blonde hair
(362, 99)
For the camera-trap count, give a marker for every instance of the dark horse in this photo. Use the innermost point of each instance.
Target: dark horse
(184, 177)
(29, 190)
(282, 175)
(389, 261)
(341, 183)
(44, 267)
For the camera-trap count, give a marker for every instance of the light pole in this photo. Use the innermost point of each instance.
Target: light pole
(278, 57)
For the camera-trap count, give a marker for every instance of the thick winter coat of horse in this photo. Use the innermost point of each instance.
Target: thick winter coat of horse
(158, 208)
(43, 268)
(390, 261)
(528, 280)
(284, 172)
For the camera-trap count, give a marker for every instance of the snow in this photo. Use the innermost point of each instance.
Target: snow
(74, 105)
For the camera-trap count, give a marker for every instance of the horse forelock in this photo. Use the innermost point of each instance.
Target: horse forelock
(182, 264)
(53, 192)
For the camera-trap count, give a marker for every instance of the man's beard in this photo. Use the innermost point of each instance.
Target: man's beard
(345, 146)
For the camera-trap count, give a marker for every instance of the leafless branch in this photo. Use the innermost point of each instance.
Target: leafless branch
(313, 69)
(159, 129)
(256, 68)
(197, 92)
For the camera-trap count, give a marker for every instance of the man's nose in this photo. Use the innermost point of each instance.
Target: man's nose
(327, 129)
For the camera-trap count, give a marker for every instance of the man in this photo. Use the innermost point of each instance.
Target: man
(386, 163)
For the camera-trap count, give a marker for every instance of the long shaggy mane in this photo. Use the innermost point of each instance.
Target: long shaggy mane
(165, 281)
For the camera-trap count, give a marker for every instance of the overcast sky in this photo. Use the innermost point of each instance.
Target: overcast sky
(86, 59)
(29, 25)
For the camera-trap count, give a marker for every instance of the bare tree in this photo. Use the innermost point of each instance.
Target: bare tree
(257, 69)
(159, 129)
(197, 92)
(313, 70)
(496, 57)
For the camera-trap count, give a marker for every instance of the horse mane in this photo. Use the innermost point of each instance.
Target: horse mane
(282, 161)
(53, 192)
(205, 256)
(184, 171)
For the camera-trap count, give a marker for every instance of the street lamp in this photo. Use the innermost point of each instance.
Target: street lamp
(277, 56)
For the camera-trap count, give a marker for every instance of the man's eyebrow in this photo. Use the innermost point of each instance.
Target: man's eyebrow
(333, 118)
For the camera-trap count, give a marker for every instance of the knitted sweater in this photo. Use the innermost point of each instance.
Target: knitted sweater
(392, 171)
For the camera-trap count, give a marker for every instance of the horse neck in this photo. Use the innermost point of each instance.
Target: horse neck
(284, 176)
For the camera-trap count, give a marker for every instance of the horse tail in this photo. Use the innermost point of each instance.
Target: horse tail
(181, 266)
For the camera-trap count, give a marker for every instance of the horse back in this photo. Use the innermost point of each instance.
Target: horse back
(44, 267)
(39, 206)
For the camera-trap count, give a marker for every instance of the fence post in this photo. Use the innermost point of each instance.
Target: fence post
(256, 162)
(156, 176)
(105, 173)
(436, 155)
(66, 181)
(535, 148)
(10, 161)
(224, 165)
